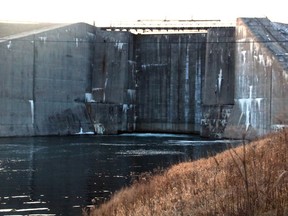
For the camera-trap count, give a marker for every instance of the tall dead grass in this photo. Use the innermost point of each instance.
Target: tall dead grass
(251, 179)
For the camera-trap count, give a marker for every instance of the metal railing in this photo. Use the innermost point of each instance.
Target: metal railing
(167, 25)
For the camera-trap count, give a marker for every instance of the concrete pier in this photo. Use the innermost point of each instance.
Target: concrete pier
(218, 85)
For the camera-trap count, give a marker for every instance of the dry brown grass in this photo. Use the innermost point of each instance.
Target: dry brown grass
(248, 180)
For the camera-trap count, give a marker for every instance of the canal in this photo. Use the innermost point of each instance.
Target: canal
(61, 175)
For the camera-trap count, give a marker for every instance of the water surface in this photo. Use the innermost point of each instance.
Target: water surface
(61, 175)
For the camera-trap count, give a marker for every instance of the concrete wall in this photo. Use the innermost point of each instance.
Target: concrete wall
(113, 82)
(169, 76)
(261, 79)
(218, 83)
(62, 76)
(16, 83)
(77, 79)
(67, 80)
(44, 75)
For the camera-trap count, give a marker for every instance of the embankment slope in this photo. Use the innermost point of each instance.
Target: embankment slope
(251, 179)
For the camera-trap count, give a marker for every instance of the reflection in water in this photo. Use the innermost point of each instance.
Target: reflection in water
(60, 175)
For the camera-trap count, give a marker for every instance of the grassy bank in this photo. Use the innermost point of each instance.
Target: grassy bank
(248, 180)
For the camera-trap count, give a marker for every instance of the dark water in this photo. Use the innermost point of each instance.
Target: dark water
(61, 175)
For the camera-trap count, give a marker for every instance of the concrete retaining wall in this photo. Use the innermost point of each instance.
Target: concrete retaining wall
(114, 82)
(62, 76)
(169, 77)
(261, 80)
(16, 83)
(77, 79)
(218, 83)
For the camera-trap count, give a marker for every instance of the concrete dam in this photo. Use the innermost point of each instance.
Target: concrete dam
(78, 78)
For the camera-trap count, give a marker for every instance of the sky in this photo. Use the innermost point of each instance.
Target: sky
(105, 12)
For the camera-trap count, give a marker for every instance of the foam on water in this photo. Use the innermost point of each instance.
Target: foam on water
(154, 135)
(200, 142)
(142, 152)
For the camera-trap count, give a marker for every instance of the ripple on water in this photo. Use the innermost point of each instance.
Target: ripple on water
(35, 207)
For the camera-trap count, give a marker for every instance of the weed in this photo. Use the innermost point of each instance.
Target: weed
(251, 179)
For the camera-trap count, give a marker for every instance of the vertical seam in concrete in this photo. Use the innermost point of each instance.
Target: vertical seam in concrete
(33, 82)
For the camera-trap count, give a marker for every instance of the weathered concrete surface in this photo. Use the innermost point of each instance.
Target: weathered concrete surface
(218, 82)
(113, 82)
(111, 118)
(261, 79)
(16, 87)
(169, 76)
(218, 86)
(76, 79)
(62, 76)
(44, 77)
(63, 80)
